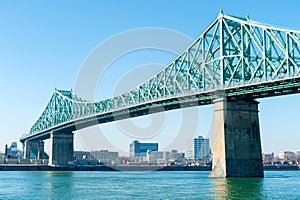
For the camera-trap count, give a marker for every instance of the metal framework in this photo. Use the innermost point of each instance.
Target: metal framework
(237, 56)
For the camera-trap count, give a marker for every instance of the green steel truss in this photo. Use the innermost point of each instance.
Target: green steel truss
(237, 56)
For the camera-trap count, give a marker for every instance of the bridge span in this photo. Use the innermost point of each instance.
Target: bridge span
(231, 64)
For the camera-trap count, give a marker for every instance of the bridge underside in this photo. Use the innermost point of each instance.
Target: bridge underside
(254, 91)
(34, 149)
(236, 150)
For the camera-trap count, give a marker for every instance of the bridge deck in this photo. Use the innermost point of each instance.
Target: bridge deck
(254, 91)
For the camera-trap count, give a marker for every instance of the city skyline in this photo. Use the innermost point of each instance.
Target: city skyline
(189, 148)
(42, 51)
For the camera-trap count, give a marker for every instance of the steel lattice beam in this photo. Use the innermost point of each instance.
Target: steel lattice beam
(237, 56)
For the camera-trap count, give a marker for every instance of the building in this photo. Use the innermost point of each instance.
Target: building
(268, 158)
(198, 149)
(153, 156)
(164, 157)
(189, 150)
(175, 155)
(103, 156)
(298, 155)
(83, 155)
(201, 149)
(138, 149)
(13, 151)
(287, 155)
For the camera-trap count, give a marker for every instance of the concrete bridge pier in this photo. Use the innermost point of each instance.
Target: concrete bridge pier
(34, 147)
(61, 148)
(237, 145)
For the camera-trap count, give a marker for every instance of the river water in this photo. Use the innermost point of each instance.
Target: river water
(146, 185)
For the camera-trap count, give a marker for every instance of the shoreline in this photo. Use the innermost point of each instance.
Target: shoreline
(19, 167)
(102, 168)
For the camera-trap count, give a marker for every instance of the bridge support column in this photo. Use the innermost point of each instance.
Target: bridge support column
(35, 147)
(61, 148)
(237, 145)
(26, 150)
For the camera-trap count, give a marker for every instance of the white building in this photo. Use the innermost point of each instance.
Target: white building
(287, 155)
(153, 156)
(104, 156)
(189, 149)
(163, 157)
(176, 156)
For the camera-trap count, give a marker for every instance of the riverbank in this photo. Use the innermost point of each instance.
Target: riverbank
(20, 167)
(281, 168)
(33, 167)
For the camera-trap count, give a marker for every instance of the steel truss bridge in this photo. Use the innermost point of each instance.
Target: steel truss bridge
(234, 58)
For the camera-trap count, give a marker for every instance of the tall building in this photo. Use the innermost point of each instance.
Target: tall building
(198, 149)
(201, 149)
(138, 149)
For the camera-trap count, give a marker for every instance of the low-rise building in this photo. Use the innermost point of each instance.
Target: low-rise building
(287, 155)
(153, 156)
(138, 149)
(164, 157)
(13, 152)
(103, 156)
(268, 158)
(175, 155)
(298, 156)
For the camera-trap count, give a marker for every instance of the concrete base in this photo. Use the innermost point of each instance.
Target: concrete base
(61, 148)
(35, 147)
(237, 146)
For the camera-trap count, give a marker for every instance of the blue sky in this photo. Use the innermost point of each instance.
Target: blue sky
(44, 43)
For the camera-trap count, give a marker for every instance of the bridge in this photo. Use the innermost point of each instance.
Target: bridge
(231, 64)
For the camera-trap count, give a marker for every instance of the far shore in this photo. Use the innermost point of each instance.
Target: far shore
(34, 167)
